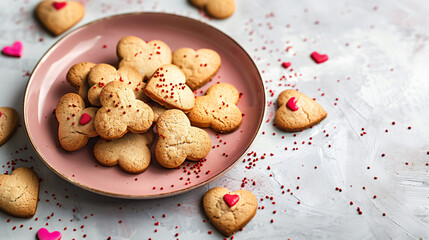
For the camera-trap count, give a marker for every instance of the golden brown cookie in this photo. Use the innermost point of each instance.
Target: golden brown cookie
(121, 112)
(19, 192)
(102, 74)
(297, 111)
(146, 57)
(167, 87)
(9, 120)
(198, 66)
(77, 76)
(216, 8)
(229, 211)
(179, 141)
(131, 152)
(76, 123)
(217, 109)
(59, 16)
(157, 110)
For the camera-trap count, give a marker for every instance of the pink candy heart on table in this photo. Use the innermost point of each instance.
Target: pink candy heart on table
(44, 234)
(319, 58)
(231, 200)
(59, 5)
(14, 51)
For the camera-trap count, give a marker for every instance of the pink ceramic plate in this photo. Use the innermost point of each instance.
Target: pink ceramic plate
(96, 42)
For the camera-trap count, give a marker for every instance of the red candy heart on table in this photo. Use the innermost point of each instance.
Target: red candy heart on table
(231, 200)
(44, 234)
(14, 51)
(59, 5)
(286, 64)
(319, 58)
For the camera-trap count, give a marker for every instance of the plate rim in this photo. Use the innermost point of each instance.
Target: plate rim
(130, 196)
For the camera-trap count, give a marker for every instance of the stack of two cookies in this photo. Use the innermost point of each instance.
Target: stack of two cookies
(126, 102)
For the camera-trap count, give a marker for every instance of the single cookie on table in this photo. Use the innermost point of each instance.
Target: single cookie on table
(9, 120)
(217, 109)
(131, 152)
(179, 141)
(229, 211)
(297, 111)
(168, 88)
(146, 57)
(157, 110)
(77, 76)
(76, 123)
(59, 16)
(19, 192)
(198, 66)
(216, 8)
(102, 74)
(121, 112)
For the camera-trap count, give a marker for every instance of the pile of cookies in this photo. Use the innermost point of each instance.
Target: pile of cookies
(151, 86)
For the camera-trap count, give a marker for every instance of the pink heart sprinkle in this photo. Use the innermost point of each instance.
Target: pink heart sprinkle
(44, 234)
(0, 114)
(59, 5)
(14, 51)
(85, 118)
(319, 58)
(291, 104)
(286, 64)
(231, 200)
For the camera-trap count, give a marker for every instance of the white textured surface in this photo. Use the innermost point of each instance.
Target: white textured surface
(378, 70)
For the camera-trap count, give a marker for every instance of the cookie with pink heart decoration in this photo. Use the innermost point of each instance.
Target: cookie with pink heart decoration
(76, 122)
(59, 16)
(297, 111)
(217, 109)
(19, 192)
(9, 120)
(130, 152)
(198, 66)
(168, 88)
(179, 141)
(229, 211)
(146, 57)
(121, 112)
(216, 8)
(44, 234)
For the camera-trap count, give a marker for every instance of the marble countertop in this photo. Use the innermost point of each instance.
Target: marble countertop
(374, 145)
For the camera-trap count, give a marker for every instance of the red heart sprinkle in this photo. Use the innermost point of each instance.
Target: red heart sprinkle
(319, 58)
(85, 118)
(286, 64)
(59, 5)
(14, 51)
(291, 104)
(231, 200)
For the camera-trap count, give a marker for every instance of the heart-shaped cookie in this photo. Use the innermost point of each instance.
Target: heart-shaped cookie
(19, 192)
(77, 76)
(146, 57)
(44, 234)
(9, 120)
(168, 88)
(179, 141)
(319, 58)
(297, 111)
(216, 8)
(198, 66)
(121, 112)
(229, 211)
(59, 16)
(131, 152)
(217, 109)
(76, 123)
(102, 74)
(14, 51)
